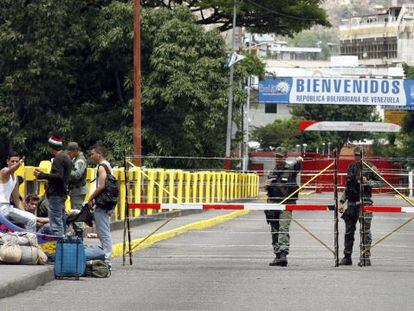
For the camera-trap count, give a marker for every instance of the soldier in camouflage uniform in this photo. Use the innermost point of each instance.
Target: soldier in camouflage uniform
(280, 184)
(77, 181)
(352, 214)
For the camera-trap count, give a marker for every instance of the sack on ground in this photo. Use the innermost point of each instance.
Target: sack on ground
(97, 269)
(19, 238)
(10, 253)
(32, 255)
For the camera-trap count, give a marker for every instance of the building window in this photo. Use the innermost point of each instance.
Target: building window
(270, 108)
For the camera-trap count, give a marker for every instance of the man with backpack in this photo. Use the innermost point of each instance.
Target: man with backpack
(102, 199)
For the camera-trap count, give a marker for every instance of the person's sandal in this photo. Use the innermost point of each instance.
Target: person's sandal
(92, 236)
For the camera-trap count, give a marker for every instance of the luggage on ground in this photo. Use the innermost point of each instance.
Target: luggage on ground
(70, 258)
(97, 269)
(21, 248)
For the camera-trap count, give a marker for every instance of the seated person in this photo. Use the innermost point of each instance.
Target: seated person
(39, 208)
(9, 190)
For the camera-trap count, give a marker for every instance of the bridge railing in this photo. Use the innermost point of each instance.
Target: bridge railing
(158, 185)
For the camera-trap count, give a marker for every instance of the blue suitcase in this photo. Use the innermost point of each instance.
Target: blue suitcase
(70, 260)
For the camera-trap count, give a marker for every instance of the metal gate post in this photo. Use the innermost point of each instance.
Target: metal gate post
(336, 230)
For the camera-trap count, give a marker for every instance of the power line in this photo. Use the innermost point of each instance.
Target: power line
(280, 14)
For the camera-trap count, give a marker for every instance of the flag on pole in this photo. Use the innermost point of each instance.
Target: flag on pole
(234, 58)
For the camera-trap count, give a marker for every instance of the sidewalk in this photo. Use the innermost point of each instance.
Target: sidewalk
(19, 278)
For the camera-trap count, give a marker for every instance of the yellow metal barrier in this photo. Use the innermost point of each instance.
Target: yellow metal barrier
(159, 185)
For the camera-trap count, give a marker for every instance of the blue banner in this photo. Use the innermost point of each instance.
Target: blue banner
(339, 91)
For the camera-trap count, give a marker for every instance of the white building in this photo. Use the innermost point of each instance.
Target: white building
(380, 39)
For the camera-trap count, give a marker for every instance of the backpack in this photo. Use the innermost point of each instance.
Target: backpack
(109, 197)
(97, 269)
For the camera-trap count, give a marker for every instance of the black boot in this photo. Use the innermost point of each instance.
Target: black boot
(346, 261)
(275, 261)
(364, 262)
(283, 260)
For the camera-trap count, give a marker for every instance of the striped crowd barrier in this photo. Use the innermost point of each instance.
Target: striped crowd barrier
(389, 209)
(233, 206)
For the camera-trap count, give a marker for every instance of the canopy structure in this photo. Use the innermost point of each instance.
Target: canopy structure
(348, 126)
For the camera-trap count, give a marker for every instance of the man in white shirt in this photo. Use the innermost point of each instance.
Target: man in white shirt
(9, 189)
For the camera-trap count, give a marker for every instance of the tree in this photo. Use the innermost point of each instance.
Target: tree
(68, 67)
(40, 62)
(284, 133)
(262, 16)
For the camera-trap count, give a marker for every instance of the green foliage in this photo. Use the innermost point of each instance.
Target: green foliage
(279, 133)
(67, 67)
(267, 16)
(40, 63)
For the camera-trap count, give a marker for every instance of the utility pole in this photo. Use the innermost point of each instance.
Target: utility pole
(230, 107)
(137, 86)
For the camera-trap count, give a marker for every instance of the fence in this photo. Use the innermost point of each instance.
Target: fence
(157, 185)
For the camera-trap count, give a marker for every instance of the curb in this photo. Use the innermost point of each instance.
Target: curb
(28, 282)
(117, 248)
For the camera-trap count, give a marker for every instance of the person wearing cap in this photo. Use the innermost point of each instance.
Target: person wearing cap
(58, 182)
(281, 182)
(77, 181)
(351, 214)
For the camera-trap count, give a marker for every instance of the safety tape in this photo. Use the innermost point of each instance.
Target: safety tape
(233, 206)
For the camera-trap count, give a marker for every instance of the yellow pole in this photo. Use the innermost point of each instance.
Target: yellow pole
(120, 175)
(208, 187)
(161, 181)
(233, 186)
(180, 178)
(201, 187)
(213, 187)
(171, 184)
(137, 188)
(218, 186)
(187, 188)
(195, 178)
(150, 189)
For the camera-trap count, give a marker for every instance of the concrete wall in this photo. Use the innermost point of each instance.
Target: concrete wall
(258, 117)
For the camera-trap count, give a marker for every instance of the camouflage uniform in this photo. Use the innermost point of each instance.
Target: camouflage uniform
(279, 221)
(353, 212)
(78, 188)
